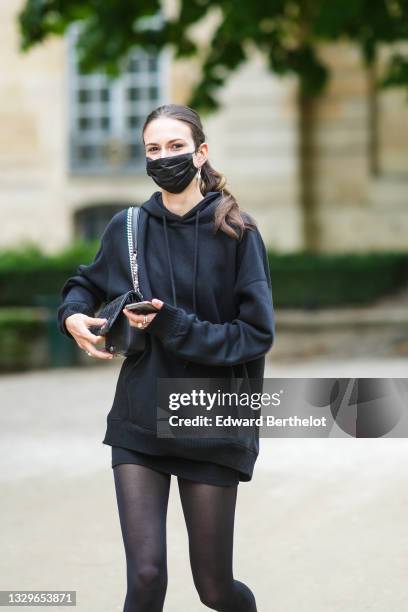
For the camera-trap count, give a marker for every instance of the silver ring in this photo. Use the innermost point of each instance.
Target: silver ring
(144, 319)
(88, 353)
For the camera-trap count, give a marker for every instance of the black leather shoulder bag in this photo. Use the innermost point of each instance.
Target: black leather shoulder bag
(120, 336)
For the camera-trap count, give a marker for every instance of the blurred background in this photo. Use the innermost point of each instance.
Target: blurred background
(304, 105)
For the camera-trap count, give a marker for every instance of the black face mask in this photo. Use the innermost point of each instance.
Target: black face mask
(172, 173)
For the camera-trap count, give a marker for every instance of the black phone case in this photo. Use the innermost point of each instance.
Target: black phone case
(143, 311)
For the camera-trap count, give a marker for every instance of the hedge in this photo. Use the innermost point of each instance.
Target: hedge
(299, 280)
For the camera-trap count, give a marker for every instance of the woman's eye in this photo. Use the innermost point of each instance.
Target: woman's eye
(154, 149)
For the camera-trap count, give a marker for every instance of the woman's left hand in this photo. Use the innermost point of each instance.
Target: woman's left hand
(137, 320)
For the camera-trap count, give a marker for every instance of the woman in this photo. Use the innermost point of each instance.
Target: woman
(203, 264)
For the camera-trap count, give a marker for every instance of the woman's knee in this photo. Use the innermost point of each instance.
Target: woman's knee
(149, 578)
(214, 593)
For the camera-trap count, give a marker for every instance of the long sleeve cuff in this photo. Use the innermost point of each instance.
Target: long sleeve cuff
(67, 310)
(167, 321)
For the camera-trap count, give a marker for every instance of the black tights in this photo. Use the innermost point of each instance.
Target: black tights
(142, 496)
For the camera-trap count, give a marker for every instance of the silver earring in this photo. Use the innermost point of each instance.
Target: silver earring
(199, 174)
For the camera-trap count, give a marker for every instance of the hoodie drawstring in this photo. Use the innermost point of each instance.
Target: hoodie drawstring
(173, 284)
(195, 264)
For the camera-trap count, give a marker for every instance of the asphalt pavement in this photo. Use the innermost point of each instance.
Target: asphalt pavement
(320, 528)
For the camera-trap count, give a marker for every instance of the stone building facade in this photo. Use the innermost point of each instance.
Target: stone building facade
(70, 150)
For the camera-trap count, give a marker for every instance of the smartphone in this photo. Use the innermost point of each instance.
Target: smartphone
(142, 307)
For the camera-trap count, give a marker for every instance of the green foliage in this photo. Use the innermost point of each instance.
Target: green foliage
(19, 330)
(301, 279)
(287, 31)
(25, 257)
(31, 255)
(27, 273)
(311, 280)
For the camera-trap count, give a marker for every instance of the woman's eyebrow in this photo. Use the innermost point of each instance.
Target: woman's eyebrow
(170, 141)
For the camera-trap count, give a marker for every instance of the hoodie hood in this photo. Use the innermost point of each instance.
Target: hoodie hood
(203, 210)
(205, 207)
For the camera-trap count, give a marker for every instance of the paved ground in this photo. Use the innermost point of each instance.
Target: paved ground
(320, 528)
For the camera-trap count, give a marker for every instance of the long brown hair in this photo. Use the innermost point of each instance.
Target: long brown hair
(227, 213)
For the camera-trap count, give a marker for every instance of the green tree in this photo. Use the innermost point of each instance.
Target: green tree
(287, 32)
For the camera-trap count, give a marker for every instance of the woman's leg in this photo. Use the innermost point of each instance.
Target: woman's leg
(209, 512)
(142, 496)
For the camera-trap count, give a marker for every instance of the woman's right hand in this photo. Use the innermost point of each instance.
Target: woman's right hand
(77, 324)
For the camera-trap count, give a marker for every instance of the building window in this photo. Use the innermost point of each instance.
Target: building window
(90, 221)
(106, 116)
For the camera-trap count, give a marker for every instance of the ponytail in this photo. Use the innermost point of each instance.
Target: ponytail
(228, 213)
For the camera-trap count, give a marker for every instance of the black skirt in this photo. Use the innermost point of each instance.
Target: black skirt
(199, 471)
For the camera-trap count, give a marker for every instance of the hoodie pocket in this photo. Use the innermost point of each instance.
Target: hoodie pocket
(120, 408)
(118, 412)
(247, 436)
(140, 391)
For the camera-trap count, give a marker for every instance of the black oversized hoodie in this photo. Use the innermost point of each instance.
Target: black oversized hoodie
(217, 320)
